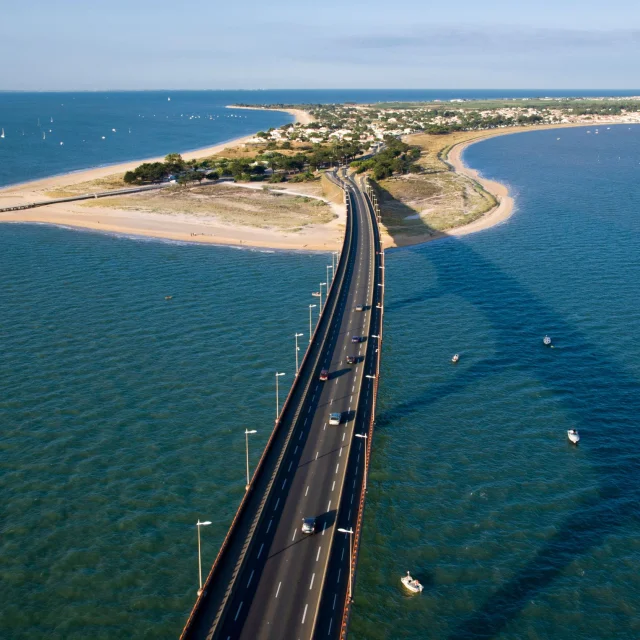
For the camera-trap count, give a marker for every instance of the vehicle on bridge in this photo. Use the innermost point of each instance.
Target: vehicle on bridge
(324, 375)
(335, 419)
(357, 339)
(352, 359)
(360, 307)
(309, 526)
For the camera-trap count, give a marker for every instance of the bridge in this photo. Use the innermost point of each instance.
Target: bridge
(269, 579)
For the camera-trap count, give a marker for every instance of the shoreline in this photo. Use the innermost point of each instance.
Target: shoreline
(208, 230)
(506, 206)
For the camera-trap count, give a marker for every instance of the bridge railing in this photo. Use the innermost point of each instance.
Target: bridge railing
(357, 533)
(332, 295)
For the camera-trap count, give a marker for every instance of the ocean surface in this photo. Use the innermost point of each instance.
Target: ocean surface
(122, 413)
(102, 128)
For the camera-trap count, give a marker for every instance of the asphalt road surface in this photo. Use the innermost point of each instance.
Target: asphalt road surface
(285, 576)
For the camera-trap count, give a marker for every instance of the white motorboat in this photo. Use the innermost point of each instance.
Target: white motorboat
(2, 134)
(411, 584)
(546, 340)
(455, 358)
(573, 436)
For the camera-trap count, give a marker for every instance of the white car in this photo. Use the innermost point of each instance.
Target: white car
(335, 418)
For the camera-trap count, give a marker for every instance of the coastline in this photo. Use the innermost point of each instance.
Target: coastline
(506, 203)
(208, 230)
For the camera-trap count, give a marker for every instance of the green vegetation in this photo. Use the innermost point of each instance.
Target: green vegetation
(396, 157)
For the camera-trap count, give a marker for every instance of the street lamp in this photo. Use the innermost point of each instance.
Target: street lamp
(329, 266)
(366, 460)
(350, 532)
(368, 376)
(246, 437)
(311, 306)
(297, 335)
(277, 400)
(322, 284)
(198, 525)
(334, 255)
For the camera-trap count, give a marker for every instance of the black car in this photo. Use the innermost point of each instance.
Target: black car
(356, 339)
(351, 359)
(309, 525)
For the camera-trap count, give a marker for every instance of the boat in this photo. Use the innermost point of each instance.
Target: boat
(168, 297)
(573, 436)
(44, 135)
(455, 358)
(411, 583)
(546, 340)
(2, 134)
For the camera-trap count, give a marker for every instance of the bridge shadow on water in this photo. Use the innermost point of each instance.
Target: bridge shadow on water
(593, 409)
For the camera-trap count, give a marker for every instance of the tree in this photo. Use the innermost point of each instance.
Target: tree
(130, 177)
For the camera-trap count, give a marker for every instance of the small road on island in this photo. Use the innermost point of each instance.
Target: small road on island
(270, 580)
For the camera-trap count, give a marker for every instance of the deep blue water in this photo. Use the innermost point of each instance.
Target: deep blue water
(515, 532)
(147, 124)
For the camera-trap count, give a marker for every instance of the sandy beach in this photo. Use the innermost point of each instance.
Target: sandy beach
(209, 230)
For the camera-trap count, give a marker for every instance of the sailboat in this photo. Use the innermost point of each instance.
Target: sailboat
(2, 134)
(51, 118)
(44, 135)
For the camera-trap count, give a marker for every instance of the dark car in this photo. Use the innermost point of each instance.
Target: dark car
(351, 359)
(356, 339)
(324, 375)
(309, 525)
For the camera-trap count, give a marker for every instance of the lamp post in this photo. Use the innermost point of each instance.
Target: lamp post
(350, 532)
(246, 438)
(199, 524)
(378, 337)
(329, 266)
(366, 460)
(277, 400)
(322, 284)
(297, 335)
(311, 306)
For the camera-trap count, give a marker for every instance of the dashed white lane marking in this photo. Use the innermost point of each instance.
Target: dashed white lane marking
(317, 453)
(340, 453)
(313, 576)
(289, 469)
(250, 578)
(350, 400)
(238, 611)
(333, 486)
(278, 590)
(337, 467)
(318, 556)
(269, 525)
(335, 597)
(349, 516)
(304, 615)
(342, 556)
(296, 531)
(330, 621)
(329, 506)
(261, 547)
(307, 491)
(324, 528)
(354, 484)
(339, 574)
(295, 450)
(277, 503)
(285, 482)
(300, 438)
(343, 435)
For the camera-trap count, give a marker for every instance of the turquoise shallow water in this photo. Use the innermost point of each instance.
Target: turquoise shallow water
(514, 532)
(122, 414)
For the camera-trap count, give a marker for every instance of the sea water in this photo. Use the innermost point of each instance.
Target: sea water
(475, 489)
(122, 413)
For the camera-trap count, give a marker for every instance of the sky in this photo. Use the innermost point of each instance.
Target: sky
(245, 44)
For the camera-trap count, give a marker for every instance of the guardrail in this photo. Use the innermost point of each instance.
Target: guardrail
(357, 533)
(322, 325)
